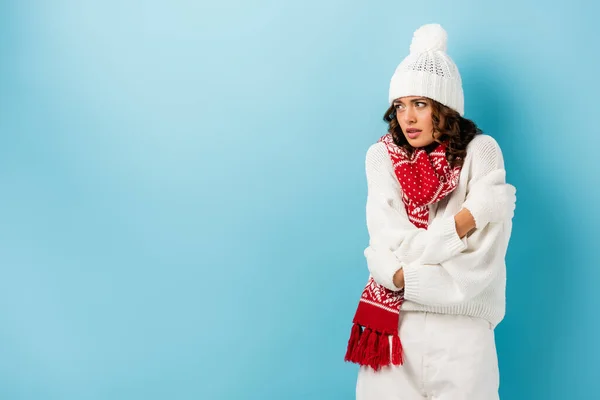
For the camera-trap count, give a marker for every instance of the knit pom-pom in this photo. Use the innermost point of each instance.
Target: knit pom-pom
(429, 37)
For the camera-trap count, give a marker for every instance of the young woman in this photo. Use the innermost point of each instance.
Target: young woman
(439, 216)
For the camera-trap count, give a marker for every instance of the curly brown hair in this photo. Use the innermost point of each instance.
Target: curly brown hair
(456, 131)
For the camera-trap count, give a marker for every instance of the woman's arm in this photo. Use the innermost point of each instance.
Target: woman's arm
(465, 223)
(458, 279)
(389, 227)
(466, 274)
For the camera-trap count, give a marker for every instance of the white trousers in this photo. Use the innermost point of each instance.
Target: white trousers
(446, 357)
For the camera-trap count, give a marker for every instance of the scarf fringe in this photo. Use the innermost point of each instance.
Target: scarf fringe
(353, 343)
(371, 348)
(397, 358)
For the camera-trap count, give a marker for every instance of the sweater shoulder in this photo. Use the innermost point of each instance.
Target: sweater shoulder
(376, 151)
(482, 145)
(377, 157)
(485, 153)
(379, 168)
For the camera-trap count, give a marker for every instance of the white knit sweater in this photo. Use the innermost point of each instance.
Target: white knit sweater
(443, 273)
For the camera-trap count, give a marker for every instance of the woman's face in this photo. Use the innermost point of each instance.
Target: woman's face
(414, 116)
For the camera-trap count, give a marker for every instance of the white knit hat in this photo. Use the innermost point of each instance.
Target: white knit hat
(428, 71)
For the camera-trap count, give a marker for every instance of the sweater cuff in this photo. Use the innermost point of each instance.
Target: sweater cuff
(411, 283)
(450, 238)
(383, 265)
(387, 280)
(478, 213)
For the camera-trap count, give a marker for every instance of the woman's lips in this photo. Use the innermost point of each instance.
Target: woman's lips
(413, 133)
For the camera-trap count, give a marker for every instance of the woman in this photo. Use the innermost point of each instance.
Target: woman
(439, 216)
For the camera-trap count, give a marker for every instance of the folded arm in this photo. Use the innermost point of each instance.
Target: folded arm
(455, 280)
(391, 231)
(390, 228)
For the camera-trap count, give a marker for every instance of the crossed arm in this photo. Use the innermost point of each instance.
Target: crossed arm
(434, 265)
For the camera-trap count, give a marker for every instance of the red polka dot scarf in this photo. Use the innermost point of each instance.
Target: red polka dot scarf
(424, 179)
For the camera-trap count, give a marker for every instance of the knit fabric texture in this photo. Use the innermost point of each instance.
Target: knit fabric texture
(443, 273)
(428, 70)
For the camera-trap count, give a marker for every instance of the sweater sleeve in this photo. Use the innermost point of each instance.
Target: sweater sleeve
(390, 229)
(464, 276)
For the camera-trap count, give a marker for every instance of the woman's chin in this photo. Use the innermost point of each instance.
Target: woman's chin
(419, 142)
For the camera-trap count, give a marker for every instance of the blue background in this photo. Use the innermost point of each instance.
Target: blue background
(182, 190)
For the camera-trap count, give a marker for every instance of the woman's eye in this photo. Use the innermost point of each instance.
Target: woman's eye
(399, 106)
(421, 104)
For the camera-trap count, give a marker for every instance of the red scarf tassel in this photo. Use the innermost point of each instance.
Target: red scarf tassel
(371, 348)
